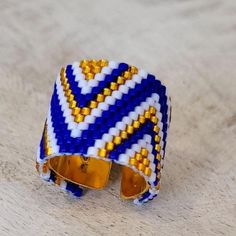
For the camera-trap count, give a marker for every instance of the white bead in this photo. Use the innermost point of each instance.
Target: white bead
(110, 100)
(107, 137)
(124, 159)
(99, 144)
(113, 64)
(106, 70)
(92, 151)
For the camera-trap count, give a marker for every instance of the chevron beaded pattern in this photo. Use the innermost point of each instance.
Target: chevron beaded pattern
(110, 111)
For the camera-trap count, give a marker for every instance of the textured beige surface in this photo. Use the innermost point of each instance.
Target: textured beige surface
(191, 45)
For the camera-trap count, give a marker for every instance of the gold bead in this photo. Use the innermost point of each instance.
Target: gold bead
(147, 171)
(133, 69)
(84, 63)
(144, 152)
(72, 104)
(147, 115)
(93, 104)
(75, 111)
(89, 76)
(113, 86)
(86, 69)
(158, 147)
(129, 129)
(158, 157)
(141, 119)
(79, 118)
(110, 146)
(138, 157)
(146, 161)
(103, 62)
(85, 111)
(159, 166)
(62, 72)
(102, 152)
(93, 62)
(156, 129)
(127, 75)
(107, 91)
(120, 80)
(136, 124)
(157, 139)
(158, 186)
(152, 110)
(154, 119)
(70, 98)
(132, 161)
(66, 87)
(124, 135)
(117, 140)
(100, 98)
(159, 175)
(68, 92)
(141, 166)
(96, 69)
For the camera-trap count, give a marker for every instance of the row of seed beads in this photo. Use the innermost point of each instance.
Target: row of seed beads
(80, 113)
(140, 160)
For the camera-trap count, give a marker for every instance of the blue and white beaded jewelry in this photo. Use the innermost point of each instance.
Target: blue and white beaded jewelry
(102, 113)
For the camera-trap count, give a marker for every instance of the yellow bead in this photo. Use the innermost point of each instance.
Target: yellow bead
(124, 135)
(141, 166)
(72, 104)
(93, 104)
(86, 69)
(159, 166)
(117, 140)
(113, 86)
(84, 63)
(62, 73)
(79, 118)
(158, 186)
(138, 157)
(156, 129)
(141, 119)
(144, 152)
(96, 69)
(89, 76)
(100, 98)
(157, 139)
(132, 161)
(93, 62)
(75, 111)
(103, 62)
(129, 129)
(146, 161)
(133, 69)
(136, 124)
(107, 91)
(120, 80)
(158, 157)
(127, 75)
(154, 119)
(152, 110)
(70, 98)
(66, 87)
(147, 171)
(158, 147)
(68, 92)
(147, 115)
(85, 111)
(110, 146)
(102, 152)
(48, 151)
(159, 175)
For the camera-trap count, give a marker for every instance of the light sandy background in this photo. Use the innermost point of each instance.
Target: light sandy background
(191, 45)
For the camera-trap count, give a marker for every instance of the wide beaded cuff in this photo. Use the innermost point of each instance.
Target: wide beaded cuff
(110, 111)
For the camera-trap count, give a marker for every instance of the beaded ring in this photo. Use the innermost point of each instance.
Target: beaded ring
(103, 112)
